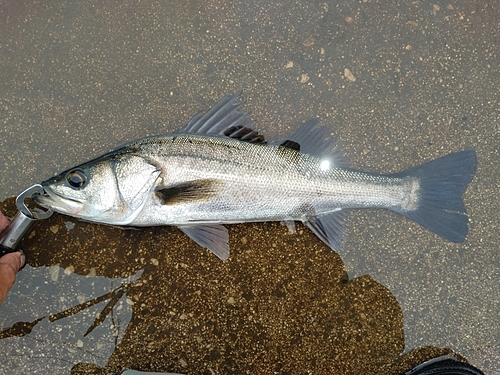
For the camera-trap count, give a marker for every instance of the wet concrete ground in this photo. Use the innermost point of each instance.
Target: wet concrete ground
(399, 83)
(281, 304)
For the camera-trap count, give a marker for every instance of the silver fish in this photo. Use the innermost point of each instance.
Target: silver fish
(217, 170)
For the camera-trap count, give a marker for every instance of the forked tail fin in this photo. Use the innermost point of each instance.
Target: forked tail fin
(442, 183)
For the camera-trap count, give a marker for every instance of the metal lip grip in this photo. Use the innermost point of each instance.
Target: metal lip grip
(23, 221)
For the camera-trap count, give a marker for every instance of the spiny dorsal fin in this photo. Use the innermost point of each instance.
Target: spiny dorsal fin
(244, 134)
(224, 119)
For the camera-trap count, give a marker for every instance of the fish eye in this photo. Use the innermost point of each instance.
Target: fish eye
(76, 178)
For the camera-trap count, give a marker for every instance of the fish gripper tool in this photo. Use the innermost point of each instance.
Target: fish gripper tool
(23, 221)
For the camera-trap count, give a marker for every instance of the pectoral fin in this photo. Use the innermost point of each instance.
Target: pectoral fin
(190, 191)
(214, 237)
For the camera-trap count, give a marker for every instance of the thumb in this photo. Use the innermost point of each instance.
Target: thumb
(11, 263)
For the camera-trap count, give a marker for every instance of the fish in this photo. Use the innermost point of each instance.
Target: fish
(218, 170)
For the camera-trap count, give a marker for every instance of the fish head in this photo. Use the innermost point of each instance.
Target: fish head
(107, 190)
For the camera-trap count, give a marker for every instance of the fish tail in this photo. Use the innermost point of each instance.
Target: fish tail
(441, 185)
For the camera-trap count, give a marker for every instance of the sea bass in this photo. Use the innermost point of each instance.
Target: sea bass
(218, 170)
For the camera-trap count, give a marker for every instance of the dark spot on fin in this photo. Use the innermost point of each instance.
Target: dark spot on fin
(244, 134)
(329, 228)
(290, 144)
(190, 191)
(214, 237)
(289, 151)
(315, 139)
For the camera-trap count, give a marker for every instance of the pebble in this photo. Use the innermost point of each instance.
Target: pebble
(309, 42)
(69, 270)
(54, 272)
(304, 78)
(348, 74)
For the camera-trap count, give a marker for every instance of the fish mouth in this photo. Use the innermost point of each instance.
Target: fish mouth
(64, 205)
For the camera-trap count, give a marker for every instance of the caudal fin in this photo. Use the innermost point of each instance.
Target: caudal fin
(442, 183)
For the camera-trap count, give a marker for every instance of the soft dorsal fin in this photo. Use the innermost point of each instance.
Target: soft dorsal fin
(315, 139)
(224, 119)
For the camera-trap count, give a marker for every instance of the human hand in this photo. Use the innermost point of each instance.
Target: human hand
(9, 265)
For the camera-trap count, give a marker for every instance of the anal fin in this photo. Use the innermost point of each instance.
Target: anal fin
(214, 237)
(329, 228)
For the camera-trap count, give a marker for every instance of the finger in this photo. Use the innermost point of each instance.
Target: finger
(3, 222)
(14, 260)
(9, 265)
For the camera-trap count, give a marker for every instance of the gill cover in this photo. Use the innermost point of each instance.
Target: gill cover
(110, 189)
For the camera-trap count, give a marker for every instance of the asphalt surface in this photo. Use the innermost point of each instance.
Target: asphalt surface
(400, 83)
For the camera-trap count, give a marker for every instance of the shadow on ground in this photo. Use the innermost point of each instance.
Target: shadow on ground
(282, 303)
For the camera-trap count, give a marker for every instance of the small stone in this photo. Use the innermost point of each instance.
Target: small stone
(348, 74)
(231, 301)
(244, 240)
(54, 228)
(304, 78)
(54, 272)
(79, 343)
(70, 225)
(408, 47)
(183, 362)
(289, 65)
(309, 42)
(92, 272)
(69, 270)
(154, 261)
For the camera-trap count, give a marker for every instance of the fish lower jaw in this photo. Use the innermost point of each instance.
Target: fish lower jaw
(64, 206)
